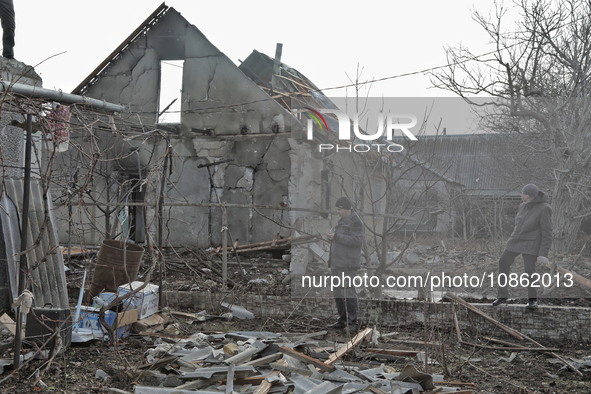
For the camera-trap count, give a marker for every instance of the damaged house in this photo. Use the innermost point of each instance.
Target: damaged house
(239, 139)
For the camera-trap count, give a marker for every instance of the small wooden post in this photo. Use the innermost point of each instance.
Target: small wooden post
(224, 247)
(276, 65)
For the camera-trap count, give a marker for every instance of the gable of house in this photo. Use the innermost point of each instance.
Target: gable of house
(225, 116)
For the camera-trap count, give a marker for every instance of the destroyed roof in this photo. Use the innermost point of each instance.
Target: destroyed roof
(302, 92)
(293, 90)
(116, 54)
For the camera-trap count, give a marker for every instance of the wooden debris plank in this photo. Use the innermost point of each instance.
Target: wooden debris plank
(162, 361)
(306, 359)
(497, 323)
(276, 238)
(576, 277)
(453, 310)
(503, 342)
(350, 345)
(515, 348)
(275, 243)
(509, 330)
(412, 342)
(75, 251)
(394, 352)
(184, 314)
(265, 386)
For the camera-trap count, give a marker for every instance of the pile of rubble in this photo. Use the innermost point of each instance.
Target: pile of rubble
(267, 362)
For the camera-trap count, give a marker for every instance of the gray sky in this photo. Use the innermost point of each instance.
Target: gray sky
(324, 40)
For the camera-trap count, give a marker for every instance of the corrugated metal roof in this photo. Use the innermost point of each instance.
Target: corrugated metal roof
(468, 159)
(48, 278)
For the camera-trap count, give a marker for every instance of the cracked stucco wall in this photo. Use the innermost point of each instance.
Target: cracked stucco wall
(225, 115)
(258, 175)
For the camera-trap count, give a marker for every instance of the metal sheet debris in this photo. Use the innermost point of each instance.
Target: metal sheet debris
(199, 364)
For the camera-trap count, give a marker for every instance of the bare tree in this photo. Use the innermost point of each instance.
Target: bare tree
(396, 191)
(539, 80)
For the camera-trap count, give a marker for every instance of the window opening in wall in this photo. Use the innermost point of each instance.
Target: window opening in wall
(171, 86)
(137, 213)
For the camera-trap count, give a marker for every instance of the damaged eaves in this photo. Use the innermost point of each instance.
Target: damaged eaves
(116, 54)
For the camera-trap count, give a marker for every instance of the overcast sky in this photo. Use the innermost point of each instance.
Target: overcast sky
(324, 40)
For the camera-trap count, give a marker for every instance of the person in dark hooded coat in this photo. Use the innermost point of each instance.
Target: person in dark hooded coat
(344, 261)
(531, 238)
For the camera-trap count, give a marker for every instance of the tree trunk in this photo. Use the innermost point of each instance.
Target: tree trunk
(565, 206)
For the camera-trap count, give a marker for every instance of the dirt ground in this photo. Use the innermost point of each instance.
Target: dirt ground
(486, 371)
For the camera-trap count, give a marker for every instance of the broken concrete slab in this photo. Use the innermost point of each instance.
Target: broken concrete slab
(306, 359)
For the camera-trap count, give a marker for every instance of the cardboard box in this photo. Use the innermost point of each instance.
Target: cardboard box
(146, 300)
(151, 324)
(89, 320)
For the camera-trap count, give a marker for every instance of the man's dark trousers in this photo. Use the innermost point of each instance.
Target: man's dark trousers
(345, 297)
(8, 27)
(505, 262)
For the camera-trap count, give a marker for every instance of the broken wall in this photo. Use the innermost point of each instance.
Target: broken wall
(546, 323)
(224, 116)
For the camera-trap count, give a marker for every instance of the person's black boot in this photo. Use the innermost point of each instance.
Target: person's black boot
(532, 303)
(336, 326)
(499, 301)
(352, 328)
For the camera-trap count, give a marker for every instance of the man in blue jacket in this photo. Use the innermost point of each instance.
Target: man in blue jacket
(531, 238)
(344, 261)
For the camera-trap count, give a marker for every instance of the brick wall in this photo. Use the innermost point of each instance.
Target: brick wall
(543, 323)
